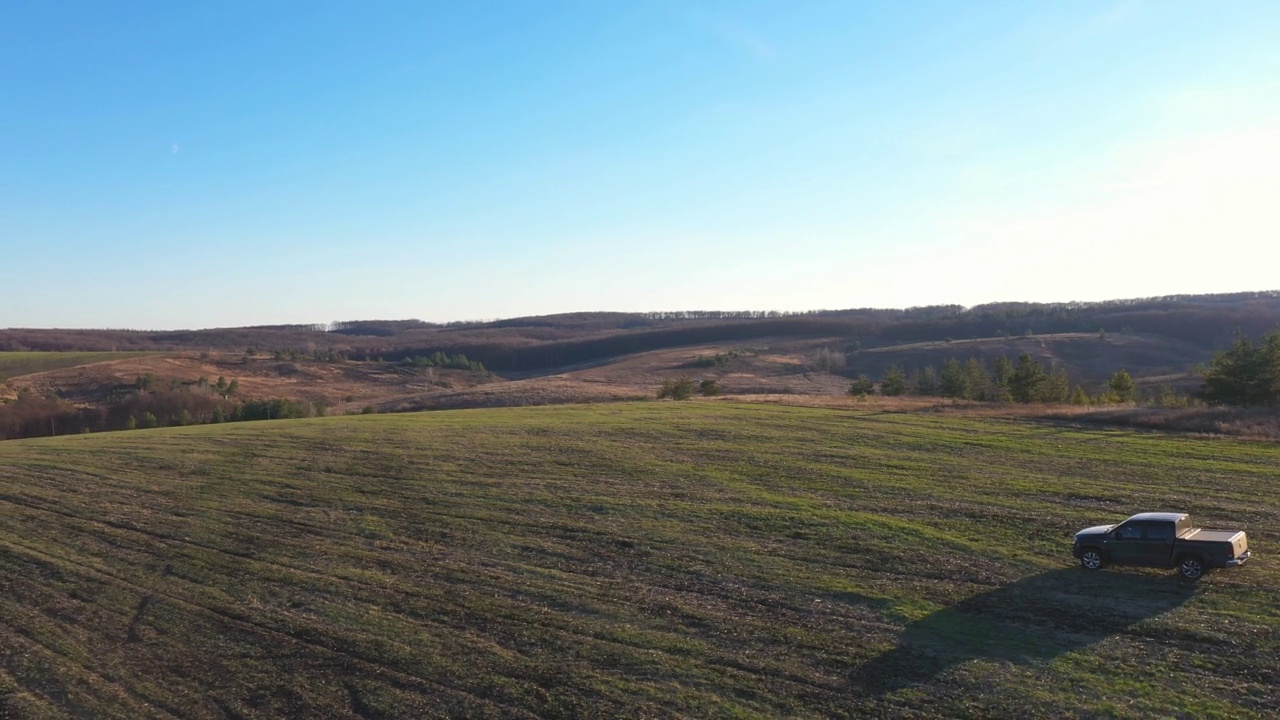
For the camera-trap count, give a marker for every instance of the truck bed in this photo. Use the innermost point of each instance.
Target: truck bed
(1235, 538)
(1210, 535)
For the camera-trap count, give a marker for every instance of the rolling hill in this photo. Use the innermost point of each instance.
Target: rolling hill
(84, 376)
(768, 365)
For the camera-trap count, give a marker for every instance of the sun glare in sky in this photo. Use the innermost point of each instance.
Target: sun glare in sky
(167, 165)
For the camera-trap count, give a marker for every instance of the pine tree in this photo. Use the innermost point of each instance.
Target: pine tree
(1000, 384)
(1245, 374)
(979, 381)
(925, 382)
(894, 382)
(1120, 387)
(1058, 387)
(954, 381)
(1027, 383)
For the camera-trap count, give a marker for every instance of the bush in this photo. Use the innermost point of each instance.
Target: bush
(278, 409)
(861, 386)
(681, 388)
(710, 361)
(1167, 397)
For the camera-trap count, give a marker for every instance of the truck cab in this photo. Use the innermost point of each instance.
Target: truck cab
(1160, 539)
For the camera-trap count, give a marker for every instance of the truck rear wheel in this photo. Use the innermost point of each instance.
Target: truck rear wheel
(1191, 567)
(1091, 560)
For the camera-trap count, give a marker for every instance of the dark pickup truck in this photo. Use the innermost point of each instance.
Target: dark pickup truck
(1163, 540)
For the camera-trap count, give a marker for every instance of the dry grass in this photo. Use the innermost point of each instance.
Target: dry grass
(344, 387)
(1256, 424)
(519, 393)
(1248, 423)
(388, 387)
(772, 371)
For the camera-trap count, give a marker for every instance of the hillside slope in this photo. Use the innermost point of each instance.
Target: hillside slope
(17, 364)
(658, 559)
(775, 365)
(342, 387)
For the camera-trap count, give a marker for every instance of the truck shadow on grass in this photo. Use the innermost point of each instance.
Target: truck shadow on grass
(1029, 621)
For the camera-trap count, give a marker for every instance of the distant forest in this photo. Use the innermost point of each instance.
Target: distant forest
(529, 344)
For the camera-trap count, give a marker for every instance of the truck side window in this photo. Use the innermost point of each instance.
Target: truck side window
(1159, 531)
(1132, 531)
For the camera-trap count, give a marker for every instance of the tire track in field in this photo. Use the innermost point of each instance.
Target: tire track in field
(14, 696)
(465, 574)
(496, 585)
(239, 556)
(497, 589)
(85, 671)
(267, 630)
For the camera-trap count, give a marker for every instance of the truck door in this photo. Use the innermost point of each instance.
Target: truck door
(1126, 546)
(1157, 543)
(1142, 542)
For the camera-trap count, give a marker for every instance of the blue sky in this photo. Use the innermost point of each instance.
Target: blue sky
(169, 165)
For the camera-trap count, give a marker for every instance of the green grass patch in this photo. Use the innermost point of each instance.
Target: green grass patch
(698, 560)
(14, 364)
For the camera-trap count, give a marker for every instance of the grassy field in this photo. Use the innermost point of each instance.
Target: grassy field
(13, 364)
(640, 560)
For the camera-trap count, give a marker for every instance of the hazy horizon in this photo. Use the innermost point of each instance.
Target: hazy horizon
(177, 167)
(482, 320)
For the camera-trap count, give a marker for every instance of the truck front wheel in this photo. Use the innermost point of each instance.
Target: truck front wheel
(1191, 567)
(1091, 559)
